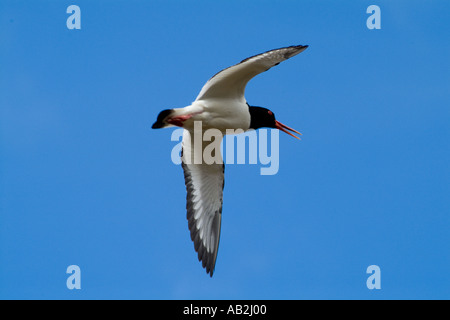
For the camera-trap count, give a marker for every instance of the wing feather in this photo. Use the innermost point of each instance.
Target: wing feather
(204, 186)
(231, 82)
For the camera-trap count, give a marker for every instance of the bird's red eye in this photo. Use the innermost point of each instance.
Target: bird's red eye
(270, 112)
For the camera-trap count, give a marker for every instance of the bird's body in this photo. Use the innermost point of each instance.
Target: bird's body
(219, 114)
(221, 105)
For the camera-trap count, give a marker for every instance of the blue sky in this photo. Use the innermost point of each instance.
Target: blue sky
(85, 181)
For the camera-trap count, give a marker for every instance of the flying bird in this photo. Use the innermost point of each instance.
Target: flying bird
(221, 105)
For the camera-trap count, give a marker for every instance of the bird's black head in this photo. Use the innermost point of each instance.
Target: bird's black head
(262, 117)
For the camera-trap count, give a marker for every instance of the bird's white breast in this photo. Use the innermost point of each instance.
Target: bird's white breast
(222, 114)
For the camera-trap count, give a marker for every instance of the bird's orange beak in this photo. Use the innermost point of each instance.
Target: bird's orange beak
(285, 128)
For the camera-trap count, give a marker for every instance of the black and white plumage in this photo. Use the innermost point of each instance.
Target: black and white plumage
(221, 104)
(204, 186)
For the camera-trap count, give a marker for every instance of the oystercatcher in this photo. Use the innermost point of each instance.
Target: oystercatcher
(221, 105)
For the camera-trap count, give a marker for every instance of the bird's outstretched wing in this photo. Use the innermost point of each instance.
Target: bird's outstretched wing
(231, 82)
(204, 186)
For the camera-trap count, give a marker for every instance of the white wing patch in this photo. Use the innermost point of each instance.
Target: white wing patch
(231, 81)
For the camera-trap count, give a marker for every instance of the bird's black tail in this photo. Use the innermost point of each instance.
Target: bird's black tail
(160, 123)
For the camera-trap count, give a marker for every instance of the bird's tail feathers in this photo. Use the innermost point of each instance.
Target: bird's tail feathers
(161, 120)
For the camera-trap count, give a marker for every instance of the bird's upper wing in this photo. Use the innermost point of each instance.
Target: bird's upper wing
(204, 185)
(231, 82)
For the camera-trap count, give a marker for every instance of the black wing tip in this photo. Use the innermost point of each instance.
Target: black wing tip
(210, 267)
(208, 259)
(299, 48)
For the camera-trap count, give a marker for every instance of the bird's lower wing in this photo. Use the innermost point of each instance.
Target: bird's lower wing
(204, 186)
